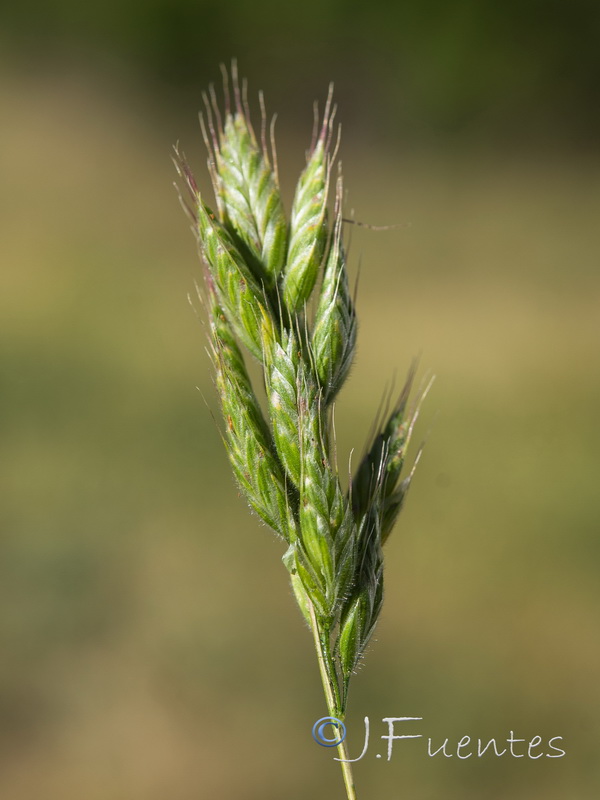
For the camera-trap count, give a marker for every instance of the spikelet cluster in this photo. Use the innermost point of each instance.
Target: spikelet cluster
(277, 290)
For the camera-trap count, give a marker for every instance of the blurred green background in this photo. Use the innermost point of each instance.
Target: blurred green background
(150, 644)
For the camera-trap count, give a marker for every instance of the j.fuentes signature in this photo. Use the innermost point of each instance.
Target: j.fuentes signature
(330, 731)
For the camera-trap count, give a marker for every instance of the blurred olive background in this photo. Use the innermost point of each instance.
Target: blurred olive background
(150, 644)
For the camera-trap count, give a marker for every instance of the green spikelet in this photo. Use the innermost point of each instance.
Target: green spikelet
(327, 529)
(248, 193)
(248, 440)
(361, 611)
(325, 550)
(377, 480)
(334, 332)
(308, 228)
(303, 598)
(379, 470)
(240, 295)
(289, 386)
(377, 498)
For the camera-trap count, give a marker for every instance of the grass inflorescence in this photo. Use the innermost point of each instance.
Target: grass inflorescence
(277, 289)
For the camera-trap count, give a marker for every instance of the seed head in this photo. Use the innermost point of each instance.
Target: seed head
(262, 273)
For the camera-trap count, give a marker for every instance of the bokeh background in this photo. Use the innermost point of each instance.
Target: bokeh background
(150, 644)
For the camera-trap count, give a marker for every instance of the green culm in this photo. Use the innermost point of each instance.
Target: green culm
(277, 289)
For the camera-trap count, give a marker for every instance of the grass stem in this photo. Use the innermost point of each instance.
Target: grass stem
(332, 696)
